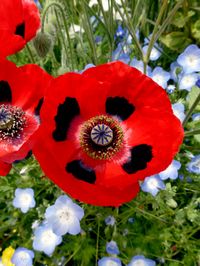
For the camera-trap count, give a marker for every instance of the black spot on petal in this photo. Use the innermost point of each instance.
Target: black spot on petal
(67, 111)
(81, 172)
(38, 107)
(119, 106)
(140, 156)
(5, 92)
(20, 30)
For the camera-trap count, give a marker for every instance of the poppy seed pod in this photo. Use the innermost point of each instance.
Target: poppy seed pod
(42, 43)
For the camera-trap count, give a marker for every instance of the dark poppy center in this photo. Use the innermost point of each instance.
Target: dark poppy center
(12, 122)
(101, 137)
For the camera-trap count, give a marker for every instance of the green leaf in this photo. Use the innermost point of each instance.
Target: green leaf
(192, 95)
(176, 41)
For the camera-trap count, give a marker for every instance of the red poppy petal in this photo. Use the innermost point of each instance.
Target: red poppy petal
(31, 18)
(19, 23)
(161, 131)
(128, 82)
(4, 168)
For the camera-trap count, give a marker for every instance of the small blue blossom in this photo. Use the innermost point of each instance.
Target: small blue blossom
(140, 260)
(131, 220)
(189, 59)
(140, 66)
(187, 81)
(98, 39)
(170, 88)
(175, 71)
(110, 220)
(64, 216)
(108, 261)
(120, 33)
(160, 76)
(198, 83)
(45, 240)
(178, 110)
(38, 3)
(121, 53)
(152, 184)
(23, 257)
(196, 117)
(24, 199)
(112, 248)
(155, 52)
(194, 165)
(171, 171)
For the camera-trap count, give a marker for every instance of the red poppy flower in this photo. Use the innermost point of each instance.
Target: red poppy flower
(21, 92)
(105, 130)
(20, 20)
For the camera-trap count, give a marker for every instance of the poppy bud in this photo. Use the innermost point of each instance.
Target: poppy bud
(42, 43)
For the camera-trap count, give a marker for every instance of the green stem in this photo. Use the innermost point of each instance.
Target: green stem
(97, 243)
(190, 111)
(57, 5)
(153, 39)
(192, 132)
(30, 53)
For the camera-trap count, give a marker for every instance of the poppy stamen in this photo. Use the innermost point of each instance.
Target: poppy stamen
(12, 122)
(101, 137)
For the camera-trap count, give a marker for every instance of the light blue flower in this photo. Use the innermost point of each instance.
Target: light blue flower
(112, 248)
(108, 261)
(152, 184)
(175, 71)
(155, 52)
(194, 165)
(121, 53)
(171, 171)
(45, 240)
(196, 117)
(38, 3)
(140, 66)
(64, 216)
(187, 81)
(178, 110)
(23, 257)
(1, 263)
(140, 260)
(24, 199)
(110, 220)
(189, 59)
(170, 88)
(160, 76)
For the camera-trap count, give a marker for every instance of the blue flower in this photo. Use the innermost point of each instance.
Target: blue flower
(160, 76)
(140, 66)
(175, 71)
(152, 184)
(178, 110)
(140, 260)
(196, 117)
(171, 171)
(23, 257)
(170, 88)
(187, 81)
(64, 216)
(112, 248)
(87, 67)
(108, 261)
(121, 53)
(120, 33)
(189, 59)
(24, 199)
(194, 165)
(1, 263)
(110, 220)
(38, 3)
(155, 52)
(45, 240)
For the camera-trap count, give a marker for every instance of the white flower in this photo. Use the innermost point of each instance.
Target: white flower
(23, 257)
(24, 199)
